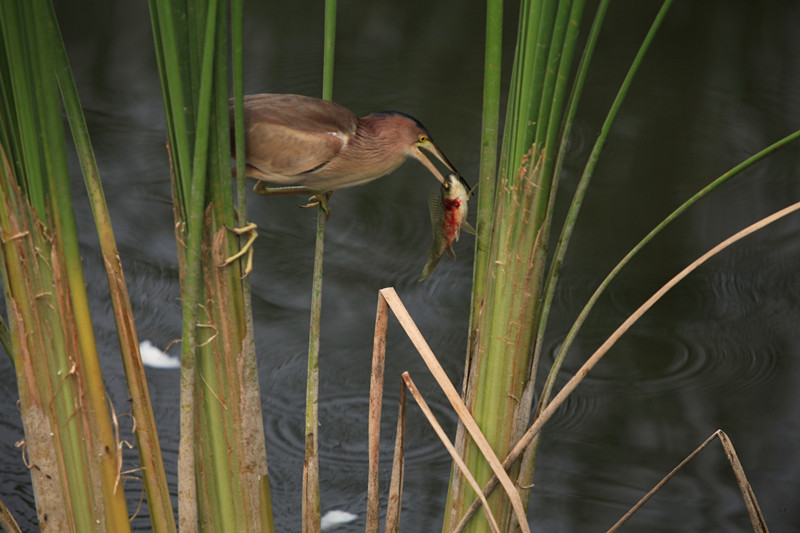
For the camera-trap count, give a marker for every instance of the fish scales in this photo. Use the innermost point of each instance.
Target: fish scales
(448, 214)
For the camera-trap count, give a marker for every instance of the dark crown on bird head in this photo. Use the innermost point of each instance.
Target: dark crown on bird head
(400, 113)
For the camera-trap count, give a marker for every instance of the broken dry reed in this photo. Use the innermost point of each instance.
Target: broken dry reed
(753, 510)
(394, 506)
(374, 424)
(388, 297)
(423, 405)
(584, 370)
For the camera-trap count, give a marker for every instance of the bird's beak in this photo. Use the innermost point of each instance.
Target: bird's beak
(433, 149)
(466, 185)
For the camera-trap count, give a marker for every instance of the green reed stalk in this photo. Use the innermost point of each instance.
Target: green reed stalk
(5, 336)
(311, 502)
(558, 256)
(153, 475)
(489, 140)
(514, 264)
(330, 48)
(223, 477)
(499, 354)
(528, 458)
(256, 453)
(41, 352)
(577, 90)
(237, 44)
(70, 438)
(555, 36)
(486, 189)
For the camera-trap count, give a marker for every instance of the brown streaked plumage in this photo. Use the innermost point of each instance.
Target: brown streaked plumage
(299, 144)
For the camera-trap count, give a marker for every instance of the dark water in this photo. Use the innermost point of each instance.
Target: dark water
(721, 351)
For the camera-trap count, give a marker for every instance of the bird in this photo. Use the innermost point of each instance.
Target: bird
(297, 144)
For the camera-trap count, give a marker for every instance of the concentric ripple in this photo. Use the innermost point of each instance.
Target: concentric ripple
(343, 430)
(649, 361)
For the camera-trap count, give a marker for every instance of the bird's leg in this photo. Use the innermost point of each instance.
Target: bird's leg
(318, 197)
(261, 187)
(247, 247)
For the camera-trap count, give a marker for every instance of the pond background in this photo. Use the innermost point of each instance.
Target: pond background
(721, 351)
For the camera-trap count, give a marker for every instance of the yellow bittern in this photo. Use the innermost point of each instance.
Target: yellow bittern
(301, 145)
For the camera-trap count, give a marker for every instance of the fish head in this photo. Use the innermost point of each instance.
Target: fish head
(455, 187)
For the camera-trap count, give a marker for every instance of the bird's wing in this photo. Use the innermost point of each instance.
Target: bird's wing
(300, 112)
(283, 151)
(290, 135)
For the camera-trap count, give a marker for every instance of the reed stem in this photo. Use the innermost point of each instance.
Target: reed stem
(311, 502)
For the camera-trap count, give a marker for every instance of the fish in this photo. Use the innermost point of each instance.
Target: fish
(448, 215)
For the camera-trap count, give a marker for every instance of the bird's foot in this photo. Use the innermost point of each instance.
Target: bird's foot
(247, 247)
(318, 198)
(321, 200)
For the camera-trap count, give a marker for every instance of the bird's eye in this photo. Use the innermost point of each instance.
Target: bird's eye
(423, 138)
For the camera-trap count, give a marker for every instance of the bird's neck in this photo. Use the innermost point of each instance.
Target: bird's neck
(375, 147)
(368, 127)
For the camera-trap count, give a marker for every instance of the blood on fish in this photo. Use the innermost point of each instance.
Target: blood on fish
(448, 214)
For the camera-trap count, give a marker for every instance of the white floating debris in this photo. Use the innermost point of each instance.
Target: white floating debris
(155, 358)
(336, 518)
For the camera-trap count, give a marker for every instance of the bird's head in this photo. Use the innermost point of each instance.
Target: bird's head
(408, 134)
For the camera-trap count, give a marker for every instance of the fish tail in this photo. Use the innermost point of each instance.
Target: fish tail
(430, 266)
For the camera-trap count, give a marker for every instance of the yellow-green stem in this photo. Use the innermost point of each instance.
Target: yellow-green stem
(311, 503)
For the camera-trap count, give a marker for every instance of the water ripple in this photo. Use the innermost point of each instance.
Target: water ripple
(649, 361)
(343, 430)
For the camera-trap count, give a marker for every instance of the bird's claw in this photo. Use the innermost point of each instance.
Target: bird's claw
(321, 200)
(247, 247)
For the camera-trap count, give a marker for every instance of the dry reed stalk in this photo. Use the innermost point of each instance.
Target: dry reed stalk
(394, 506)
(753, 510)
(423, 405)
(405, 320)
(584, 370)
(375, 404)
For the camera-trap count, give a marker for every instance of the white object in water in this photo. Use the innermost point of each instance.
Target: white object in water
(153, 357)
(332, 519)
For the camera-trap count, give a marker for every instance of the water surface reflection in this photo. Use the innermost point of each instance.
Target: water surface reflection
(722, 351)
